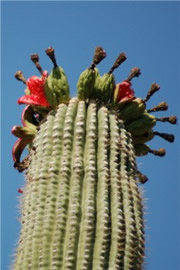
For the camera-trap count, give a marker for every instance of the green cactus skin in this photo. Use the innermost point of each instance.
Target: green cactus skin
(81, 207)
(88, 203)
(102, 240)
(106, 86)
(144, 137)
(85, 84)
(132, 110)
(142, 124)
(56, 87)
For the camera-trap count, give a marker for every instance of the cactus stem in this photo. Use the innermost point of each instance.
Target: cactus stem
(19, 76)
(135, 72)
(170, 119)
(99, 55)
(50, 52)
(35, 60)
(163, 106)
(167, 137)
(141, 177)
(154, 88)
(161, 152)
(121, 58)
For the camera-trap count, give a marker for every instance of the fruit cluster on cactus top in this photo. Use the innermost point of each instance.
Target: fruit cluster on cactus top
(45, 93)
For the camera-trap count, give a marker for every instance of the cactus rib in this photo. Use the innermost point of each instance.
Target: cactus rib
(101, 247)
(130, 223)
(53, 171)
(88, 205)
(74, 209)
(138, 206)
(64, 175)
(118, 237)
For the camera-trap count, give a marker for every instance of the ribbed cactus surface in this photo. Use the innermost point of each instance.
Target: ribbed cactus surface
(81, 207)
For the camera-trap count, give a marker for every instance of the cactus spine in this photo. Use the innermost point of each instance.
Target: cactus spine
(81, 206)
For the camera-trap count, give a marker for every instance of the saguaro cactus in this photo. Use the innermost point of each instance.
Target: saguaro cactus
(81, 205)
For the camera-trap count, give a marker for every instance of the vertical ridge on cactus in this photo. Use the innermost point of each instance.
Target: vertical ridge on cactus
(118, 236)
(88, 204)
(75, 194)
(138, 204)
(130, 255)
(81, 206)
(102, 240)
(62, 198)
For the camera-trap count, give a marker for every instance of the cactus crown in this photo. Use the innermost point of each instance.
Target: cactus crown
(45, 93)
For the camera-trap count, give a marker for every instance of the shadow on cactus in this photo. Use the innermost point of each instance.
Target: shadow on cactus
(81, 205)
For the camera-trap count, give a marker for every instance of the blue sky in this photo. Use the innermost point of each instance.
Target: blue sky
(149, 34)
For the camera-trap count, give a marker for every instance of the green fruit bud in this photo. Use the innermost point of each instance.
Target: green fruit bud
(88, 82)
(106, 86)
(56, 87)
(85, 84)
(142, 124)
(145, 137)
(141, 149)
(132, 110)
(96, 94)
